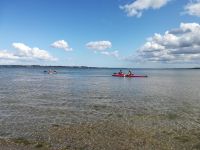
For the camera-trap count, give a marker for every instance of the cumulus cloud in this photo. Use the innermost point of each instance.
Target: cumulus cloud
(4, 54)
(102, 47)
(25, 51)
(193, 8)
(137, 7)
(113, 53)
(99, 45)
(176, 45)
(61, 44)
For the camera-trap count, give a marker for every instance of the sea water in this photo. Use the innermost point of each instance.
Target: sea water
(32, 100)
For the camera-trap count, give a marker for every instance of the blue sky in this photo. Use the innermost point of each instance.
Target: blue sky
(102, 33)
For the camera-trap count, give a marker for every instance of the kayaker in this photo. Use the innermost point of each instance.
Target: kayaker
(52, 71)
(120, 72)
(130, 73)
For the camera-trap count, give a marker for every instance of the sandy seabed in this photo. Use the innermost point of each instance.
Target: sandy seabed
(115, 132)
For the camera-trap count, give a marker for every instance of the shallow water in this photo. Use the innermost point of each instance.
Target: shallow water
(31, 101)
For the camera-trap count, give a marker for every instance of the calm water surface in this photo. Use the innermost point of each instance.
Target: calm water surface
(31, 100)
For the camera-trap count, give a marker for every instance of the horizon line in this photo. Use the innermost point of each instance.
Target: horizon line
(99, 67)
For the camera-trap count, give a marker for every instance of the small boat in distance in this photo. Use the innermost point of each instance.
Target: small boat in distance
(128, 75)
(50, 71)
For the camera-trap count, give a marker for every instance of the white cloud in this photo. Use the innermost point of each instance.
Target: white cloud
(8, 58)
(193, 8)
(137, 7)
(177, 45)
(25, 51)
(61, 44)
(4, 54)
(99, 45)
(113, 53)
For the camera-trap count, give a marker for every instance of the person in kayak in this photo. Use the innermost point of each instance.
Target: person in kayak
(52, 71)
(120, 72)
(130, 73)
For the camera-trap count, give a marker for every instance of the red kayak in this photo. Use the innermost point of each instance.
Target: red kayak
(126, 75)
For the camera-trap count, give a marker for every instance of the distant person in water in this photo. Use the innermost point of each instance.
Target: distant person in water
(52, 71)
(120, 72)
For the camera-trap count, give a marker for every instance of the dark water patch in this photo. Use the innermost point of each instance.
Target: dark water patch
(172, 116)
(39, 145)
(101, 107)
(21, 141)
(182, 139)
(196, 146)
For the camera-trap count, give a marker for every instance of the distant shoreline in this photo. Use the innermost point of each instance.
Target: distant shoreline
(83, 67)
